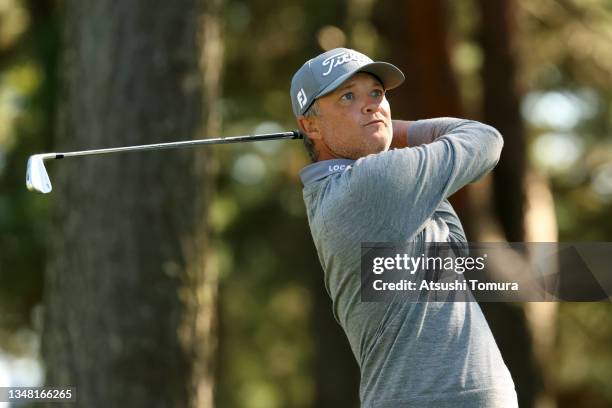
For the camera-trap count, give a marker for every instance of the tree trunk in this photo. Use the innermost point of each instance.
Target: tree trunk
(509, 323)
(418, 43)
(500, 103)
(129, 307)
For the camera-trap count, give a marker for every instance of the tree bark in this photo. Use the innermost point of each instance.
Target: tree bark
(129, 308)
(418, 44)
(509, 323)
(501, 101)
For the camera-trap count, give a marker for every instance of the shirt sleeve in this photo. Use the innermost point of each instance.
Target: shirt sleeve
(406, 185)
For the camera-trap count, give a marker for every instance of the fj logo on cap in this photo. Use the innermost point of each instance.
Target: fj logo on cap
(301, 98)
(342, 58)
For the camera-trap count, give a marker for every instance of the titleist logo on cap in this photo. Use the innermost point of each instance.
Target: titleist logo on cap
(342, 58)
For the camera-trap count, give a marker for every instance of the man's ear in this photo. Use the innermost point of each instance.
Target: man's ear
(308, 125)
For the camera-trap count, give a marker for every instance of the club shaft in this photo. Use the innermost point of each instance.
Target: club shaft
(175, 145)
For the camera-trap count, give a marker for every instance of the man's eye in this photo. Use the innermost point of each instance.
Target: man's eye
(348, 96)
(378, 92)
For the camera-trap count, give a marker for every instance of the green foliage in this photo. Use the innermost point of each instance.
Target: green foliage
(27, 106)
(583, 352)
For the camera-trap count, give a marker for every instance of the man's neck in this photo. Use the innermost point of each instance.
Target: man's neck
(325, 153)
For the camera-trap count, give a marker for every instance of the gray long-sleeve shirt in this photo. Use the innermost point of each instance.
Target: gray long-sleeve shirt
(430, 354)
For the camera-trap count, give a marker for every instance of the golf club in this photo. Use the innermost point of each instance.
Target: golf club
(37, 178)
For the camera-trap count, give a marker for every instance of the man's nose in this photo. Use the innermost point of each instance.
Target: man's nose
(371, 105)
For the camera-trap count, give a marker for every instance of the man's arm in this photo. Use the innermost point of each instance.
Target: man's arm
(408, 184)
(404, 135)
(400, 133)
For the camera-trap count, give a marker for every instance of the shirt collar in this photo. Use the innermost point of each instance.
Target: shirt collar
(320, 170)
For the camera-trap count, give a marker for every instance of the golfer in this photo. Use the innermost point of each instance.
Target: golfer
(378, 180)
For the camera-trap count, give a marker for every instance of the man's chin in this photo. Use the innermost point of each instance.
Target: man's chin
(378, 149)
(381, 143)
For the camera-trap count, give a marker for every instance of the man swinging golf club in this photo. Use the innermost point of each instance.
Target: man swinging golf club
(378, 180)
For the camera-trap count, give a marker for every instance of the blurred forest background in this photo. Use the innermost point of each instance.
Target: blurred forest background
(152, 279)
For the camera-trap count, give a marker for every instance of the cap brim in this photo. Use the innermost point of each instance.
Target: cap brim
(390, 76)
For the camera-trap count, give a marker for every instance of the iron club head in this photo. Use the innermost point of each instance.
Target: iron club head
(37, 178)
